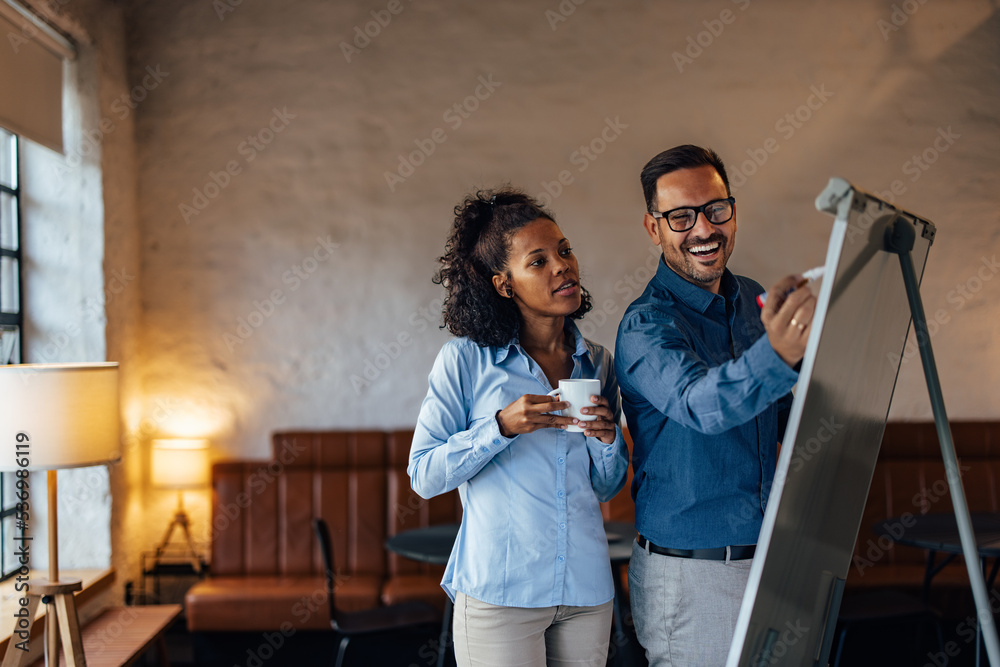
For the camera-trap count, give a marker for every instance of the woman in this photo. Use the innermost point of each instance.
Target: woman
(529, 573)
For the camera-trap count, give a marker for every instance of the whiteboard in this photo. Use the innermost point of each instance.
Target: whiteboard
(832, 440)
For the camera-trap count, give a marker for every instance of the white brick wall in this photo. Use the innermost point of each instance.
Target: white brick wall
(234, 343)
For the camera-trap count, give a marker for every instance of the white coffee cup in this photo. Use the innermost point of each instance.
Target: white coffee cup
(577, 393)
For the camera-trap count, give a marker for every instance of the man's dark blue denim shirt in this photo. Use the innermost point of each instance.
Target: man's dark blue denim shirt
(705, 395)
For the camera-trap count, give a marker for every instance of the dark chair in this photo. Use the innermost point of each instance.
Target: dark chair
(879, 607)
(370, 621)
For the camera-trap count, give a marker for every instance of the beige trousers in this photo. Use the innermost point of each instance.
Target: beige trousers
(490, 636)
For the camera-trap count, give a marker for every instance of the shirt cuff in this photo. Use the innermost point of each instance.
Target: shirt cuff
(607, 453)
(490, 440)
(766, 363)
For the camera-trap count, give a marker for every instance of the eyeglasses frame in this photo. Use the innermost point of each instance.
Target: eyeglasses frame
(697, 210)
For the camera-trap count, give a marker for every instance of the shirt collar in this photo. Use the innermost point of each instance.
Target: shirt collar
(580, 348)
(696, 297)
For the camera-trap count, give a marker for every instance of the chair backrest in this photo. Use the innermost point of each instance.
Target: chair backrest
(326, 549)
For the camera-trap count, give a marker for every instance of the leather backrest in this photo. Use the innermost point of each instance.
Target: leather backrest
(910, 477)
(356, 481)
(405, 510)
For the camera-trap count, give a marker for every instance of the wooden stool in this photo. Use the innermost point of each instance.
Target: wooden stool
(61, 622)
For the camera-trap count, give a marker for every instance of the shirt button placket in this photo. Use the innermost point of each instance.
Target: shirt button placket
(561, 515)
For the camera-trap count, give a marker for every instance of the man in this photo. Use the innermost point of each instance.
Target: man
(705, 376)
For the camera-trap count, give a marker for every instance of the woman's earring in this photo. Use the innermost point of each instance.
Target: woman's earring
(510, 293)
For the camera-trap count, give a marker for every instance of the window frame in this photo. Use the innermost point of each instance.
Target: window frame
(15, 319)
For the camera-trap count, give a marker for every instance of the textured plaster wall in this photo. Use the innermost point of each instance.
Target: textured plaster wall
(296, 178)
(82, 296)
(62, 240)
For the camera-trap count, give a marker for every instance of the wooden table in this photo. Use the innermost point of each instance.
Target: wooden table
(119, 636)
(939, 532)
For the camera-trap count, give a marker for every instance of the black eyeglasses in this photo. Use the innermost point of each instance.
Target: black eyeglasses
(718, 211)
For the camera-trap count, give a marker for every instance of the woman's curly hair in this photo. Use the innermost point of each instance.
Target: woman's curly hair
(478, 248)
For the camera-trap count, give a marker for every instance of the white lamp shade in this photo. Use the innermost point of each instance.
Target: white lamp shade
(68, 412)
(180, 463)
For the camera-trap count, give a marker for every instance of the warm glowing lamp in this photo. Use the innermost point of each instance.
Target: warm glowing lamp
(55, 416)
(180, 463)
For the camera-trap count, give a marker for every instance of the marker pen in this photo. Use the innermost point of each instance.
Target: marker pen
(808, 276)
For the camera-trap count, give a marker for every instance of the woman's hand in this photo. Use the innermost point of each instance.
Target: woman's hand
(530, 413)
(602, 428)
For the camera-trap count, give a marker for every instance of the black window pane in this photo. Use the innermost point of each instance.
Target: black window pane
(10, 330)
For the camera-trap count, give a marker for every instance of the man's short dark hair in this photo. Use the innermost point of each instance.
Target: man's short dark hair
(678, 157)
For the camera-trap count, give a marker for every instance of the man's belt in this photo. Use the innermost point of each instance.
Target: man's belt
(740, 552)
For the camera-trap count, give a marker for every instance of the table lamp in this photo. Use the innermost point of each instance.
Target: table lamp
(180, 463)
(55, 416)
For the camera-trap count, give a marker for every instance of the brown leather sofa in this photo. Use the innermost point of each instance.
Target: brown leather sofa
(266, 572)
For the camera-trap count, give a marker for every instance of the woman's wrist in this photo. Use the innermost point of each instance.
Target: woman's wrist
(500, 424)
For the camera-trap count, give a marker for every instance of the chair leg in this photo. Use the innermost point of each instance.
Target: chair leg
(342, 651)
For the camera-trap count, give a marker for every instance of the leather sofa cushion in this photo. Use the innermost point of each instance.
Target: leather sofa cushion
(259, 603)
(407, 588)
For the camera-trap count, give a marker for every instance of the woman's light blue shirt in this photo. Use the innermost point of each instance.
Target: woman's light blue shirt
(532, 534)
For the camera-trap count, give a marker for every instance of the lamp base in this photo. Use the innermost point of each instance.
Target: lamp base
(180, 521)
(62, 623)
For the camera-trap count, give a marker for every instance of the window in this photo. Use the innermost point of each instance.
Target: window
(11, 320)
